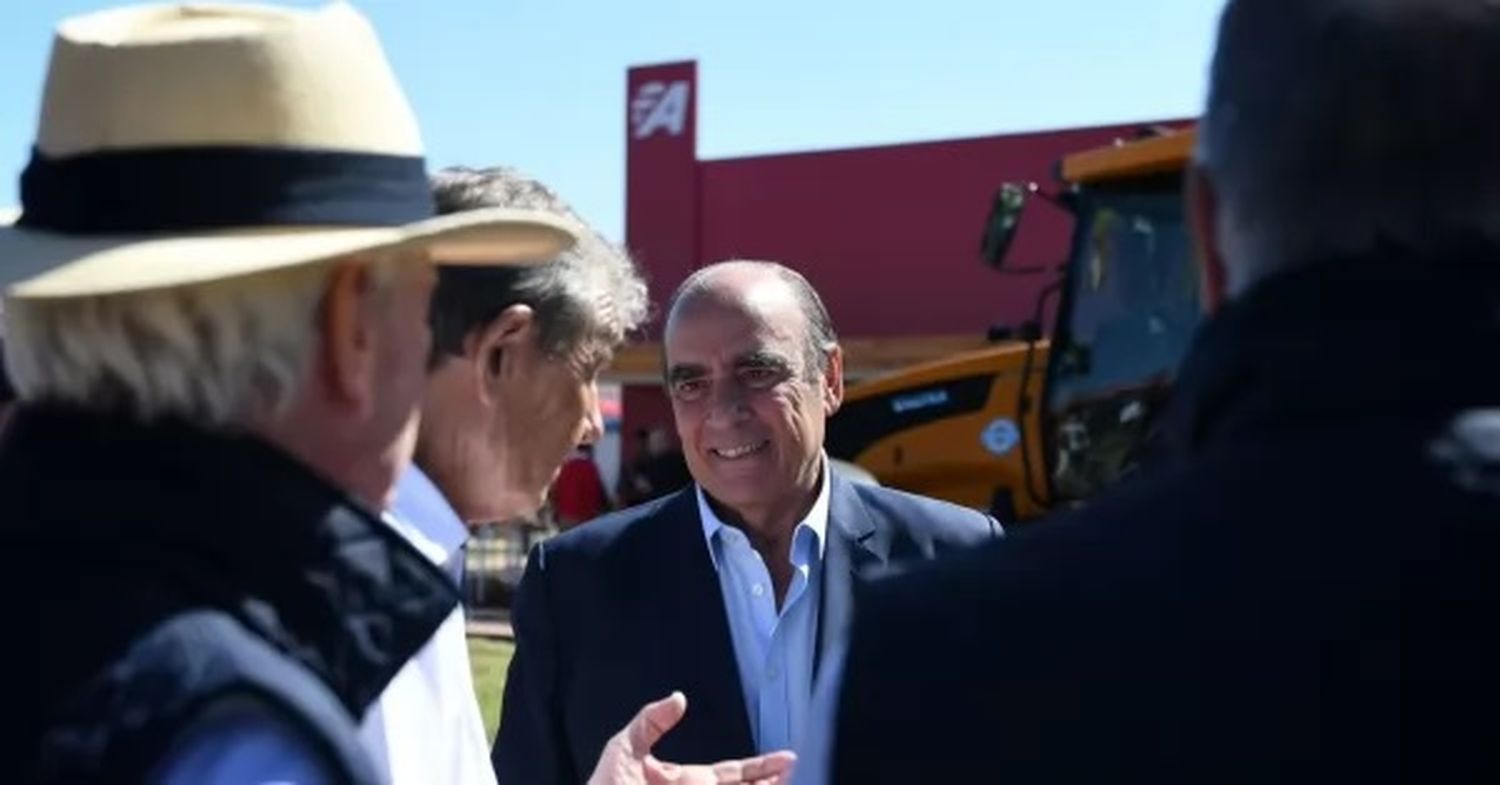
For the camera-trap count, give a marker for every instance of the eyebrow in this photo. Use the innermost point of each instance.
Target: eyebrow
(679, 373)
(763, 359)
(757, 359)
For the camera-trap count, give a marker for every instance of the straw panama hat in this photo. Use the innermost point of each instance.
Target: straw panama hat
(180, 144)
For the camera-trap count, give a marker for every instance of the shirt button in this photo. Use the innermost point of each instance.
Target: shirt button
(757, 590)
(773, 673)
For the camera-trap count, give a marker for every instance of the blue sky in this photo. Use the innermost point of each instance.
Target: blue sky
(540, 84)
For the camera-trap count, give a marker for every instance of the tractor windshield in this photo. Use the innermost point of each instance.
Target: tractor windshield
(1131, 305)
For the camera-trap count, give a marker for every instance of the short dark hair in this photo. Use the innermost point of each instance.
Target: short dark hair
(820, 339)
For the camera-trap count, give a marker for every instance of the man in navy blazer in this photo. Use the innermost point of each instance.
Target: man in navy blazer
(734, 589)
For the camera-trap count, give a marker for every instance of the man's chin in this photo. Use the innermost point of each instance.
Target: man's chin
(527, 507)
(510, 508)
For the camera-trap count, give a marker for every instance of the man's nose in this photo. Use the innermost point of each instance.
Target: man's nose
(728, 403)
(593, 419)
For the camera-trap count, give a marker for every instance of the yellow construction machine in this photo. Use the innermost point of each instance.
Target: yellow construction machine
(1030, 423)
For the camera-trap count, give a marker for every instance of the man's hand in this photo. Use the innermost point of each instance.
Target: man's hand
(627, 758)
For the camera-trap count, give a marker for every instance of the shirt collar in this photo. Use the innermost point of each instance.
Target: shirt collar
(815, 524)
(423, 515)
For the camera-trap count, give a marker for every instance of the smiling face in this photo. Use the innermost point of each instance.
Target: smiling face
(749, 410)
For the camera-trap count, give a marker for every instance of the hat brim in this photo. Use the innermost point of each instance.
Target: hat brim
(36, 265)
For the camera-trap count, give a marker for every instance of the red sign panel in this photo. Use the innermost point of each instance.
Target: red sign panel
(661, 163)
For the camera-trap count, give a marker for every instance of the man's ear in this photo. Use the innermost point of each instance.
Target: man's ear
(833, 381)
(347, 362)
(1202, 206)
(488, 347)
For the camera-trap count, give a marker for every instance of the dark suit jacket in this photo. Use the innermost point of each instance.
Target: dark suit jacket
(1306, 590)
(621, 611)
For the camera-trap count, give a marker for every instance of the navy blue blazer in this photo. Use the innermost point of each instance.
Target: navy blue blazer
(625, 609)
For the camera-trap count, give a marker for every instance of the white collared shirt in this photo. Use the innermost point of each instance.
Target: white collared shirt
(773, 649)
(426, 728)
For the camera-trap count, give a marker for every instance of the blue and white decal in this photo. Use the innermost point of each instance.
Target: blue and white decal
(1000, 436)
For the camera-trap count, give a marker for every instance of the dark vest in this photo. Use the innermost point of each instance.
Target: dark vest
(159, 573)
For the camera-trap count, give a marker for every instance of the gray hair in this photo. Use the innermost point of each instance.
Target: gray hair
(820, 340)
(215, 353)
(1337, 128)
(590, 297)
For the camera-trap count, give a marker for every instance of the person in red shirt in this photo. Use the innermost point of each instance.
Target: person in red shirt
(578, 494)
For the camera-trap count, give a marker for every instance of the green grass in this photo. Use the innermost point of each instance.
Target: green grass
(490, 659)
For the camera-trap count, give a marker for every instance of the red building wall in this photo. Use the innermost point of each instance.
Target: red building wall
(888, 235)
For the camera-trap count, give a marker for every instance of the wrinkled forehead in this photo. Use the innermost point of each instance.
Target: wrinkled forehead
(714, 327)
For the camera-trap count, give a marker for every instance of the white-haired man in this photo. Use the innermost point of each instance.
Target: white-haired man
(215, 302)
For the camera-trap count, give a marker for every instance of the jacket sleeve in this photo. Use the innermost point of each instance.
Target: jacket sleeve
(530, 746)
(242, 742)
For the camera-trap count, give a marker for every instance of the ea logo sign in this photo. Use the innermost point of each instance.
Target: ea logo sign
(659, 106)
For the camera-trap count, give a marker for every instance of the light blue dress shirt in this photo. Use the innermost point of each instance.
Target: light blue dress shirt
(773, 648)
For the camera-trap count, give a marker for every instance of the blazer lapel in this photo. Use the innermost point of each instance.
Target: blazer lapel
(691, 616)
(855, 543)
